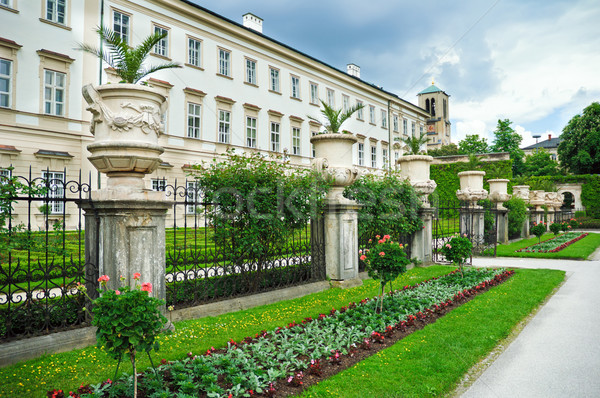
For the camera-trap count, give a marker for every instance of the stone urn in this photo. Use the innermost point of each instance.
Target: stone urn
(499, 190)
(333, 157)
(471, 186)
(126, 124)
(521, 192)
(415, 168)
(537, 199)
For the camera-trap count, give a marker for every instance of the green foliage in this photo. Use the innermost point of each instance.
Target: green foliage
(473, 144)
(256, 203)
(540, 163)
(126, 61)
(458, 250)
(516, 216)
(390, 205)
(336, 117)
(579, 149)
(556, 228)
(538, 229)
(413, 144)
(506, 139)
(445, 150)
(446, 176)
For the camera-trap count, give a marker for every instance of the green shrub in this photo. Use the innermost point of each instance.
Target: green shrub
(556, 228)
(517, 214)
(538, 229)
(458, 250)
(579, 214)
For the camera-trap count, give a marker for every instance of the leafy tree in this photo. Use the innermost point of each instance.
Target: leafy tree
(579, 149)
(473, 144)
(540, 163)
(336, 117)
(126, 61)
(413, 144)
(506, 139)
(446, 150)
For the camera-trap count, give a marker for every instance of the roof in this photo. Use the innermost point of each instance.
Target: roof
(551, 143)
(191, 3)
(431, 89)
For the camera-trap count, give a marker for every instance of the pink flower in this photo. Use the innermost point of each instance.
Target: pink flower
(381, 254)
(386, 237)
(370, 240)
(103, 279)
(448, 245)
(363, 257)
(117, 292)
(381, 241)
(147, 287)
(377, 236)
(401, 246)
(137, 276)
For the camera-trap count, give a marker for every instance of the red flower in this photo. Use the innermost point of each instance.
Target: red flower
(147, 287)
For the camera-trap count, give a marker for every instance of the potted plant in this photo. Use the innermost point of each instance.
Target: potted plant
(413, 144)
(127, 118)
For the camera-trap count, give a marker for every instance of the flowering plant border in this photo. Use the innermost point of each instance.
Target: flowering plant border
(558, 248)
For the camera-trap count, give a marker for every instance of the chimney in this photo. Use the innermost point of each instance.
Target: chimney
(549, 137)
(253, 22)
(353, 70)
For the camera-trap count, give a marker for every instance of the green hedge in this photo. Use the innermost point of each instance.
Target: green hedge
(446, 177)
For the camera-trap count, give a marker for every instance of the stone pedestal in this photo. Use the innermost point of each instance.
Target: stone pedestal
(422, 240)
(341, 242)
(126, 233)
(472, 223)
(502, 229)
(525, 227)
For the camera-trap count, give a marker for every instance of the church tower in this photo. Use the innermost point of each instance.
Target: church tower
(435, 102)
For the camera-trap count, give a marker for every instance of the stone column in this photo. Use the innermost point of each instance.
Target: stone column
(499, 195)
(538, 199)
(126, 219)
(472, 217)
(522, 192)
(333, 156)
(422, 243)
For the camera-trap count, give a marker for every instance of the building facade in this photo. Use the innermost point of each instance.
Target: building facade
(436, 104)
(238, 88)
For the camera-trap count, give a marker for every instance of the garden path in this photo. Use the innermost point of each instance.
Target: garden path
(557, 353)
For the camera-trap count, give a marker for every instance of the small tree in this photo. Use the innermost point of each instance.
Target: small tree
(385, 261)
(506, 139)
(126, 61)
(336, 117)
(458, 250)
(579, 148)
(540, 163)
(473, 144)
(444, 150)
(538, 229)
(555, 227)
(516, 216)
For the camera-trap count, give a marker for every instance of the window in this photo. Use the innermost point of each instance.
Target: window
(361, 154)
(5, 3)
(194, 52)
(55, 11)
(373, 156)
(359, 113)
(295, 80)
(413, 128)
(5, 175)
(162, 47)
(274, 73)
(331, 98)
(54, 93)
(395, 119)
(405, 126)
(159, 184)
(193, 197)
(56, 189)
(384, 156)
(314, 93)
(121, 25)
(371, 114)
(5, 82)
(250, 71)
(384, 119)
(251, 132)
(421, 129)
(296, 140)
(194, 120)
(275, 137)
(396, 156)
(224, 62)
(345, 103)
(313, 133)
(224, 126)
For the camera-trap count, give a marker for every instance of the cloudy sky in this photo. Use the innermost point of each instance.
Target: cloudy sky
(535, 62)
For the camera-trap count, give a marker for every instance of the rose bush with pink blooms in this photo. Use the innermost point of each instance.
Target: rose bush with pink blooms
(458, 250)
(128, 320)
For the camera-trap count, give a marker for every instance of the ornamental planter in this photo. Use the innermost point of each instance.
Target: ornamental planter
(333, 156)
(415, 168)
(521, 192)
(498, 190)
(126, 125)
(471, 186)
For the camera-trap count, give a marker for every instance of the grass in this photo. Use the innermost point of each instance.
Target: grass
(580, 250)
(440, 354)
(432, 361)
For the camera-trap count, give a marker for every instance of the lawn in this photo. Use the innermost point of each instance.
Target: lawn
(487, 320)
(580, 250)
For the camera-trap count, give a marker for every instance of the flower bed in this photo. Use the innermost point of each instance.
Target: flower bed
(278, 362)
(555, 244)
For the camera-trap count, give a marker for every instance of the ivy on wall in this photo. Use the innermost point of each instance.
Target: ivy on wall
(446, 177)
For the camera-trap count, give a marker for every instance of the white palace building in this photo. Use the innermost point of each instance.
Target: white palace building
(238, 88)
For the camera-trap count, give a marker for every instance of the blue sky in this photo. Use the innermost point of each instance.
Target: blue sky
(534, 62)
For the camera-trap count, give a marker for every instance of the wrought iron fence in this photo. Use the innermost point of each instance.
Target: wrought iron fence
(204, 266)
(40, 260)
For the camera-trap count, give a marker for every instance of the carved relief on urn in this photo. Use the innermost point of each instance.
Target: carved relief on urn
(537, 198)
(126, 124)
(521, 192)
(471, 186)
(415, 168)
(499, 190)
